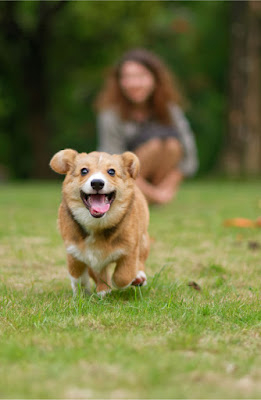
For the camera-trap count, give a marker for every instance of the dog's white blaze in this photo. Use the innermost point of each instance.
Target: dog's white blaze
(94, 258)
(97, 175)
(87, 188)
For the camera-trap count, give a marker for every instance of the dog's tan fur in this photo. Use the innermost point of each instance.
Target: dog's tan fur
(119, 236)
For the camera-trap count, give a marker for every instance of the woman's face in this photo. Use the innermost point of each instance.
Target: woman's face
(136, 81)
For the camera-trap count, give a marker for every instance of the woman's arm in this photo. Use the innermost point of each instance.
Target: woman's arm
(110, 135)
(189, 164)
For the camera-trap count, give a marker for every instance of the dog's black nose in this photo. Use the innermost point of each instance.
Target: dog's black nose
(97, 184)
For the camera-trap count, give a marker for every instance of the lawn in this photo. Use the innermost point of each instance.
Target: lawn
(166, 340)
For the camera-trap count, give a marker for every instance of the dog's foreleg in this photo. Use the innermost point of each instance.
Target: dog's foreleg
(103, 282)
(82, 282)
(125, 272)
(140, 280)
(79, 275)
(75, 283)
(85, 282)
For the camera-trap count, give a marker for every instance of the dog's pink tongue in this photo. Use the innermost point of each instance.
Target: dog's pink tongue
(98, 204)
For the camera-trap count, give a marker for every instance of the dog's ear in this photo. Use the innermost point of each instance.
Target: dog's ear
(131, 163)
(63, 161)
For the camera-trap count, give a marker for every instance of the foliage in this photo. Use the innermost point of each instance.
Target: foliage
(87, 37)
(166, 340)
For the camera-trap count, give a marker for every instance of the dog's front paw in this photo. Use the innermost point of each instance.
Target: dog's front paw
(140, 280)
(103, 293)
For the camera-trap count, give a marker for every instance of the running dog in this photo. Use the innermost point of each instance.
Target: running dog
(103, 219)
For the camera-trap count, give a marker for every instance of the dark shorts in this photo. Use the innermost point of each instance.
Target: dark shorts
(149, 130)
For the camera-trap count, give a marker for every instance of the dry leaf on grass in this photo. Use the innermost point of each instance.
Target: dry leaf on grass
(253, 245)
(242, 223)
(194, 285)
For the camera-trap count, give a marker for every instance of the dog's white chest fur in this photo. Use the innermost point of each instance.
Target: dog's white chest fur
(94, 257)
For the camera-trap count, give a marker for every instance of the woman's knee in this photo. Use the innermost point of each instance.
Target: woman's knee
(174, 147)
(149, 149)
(155, 144)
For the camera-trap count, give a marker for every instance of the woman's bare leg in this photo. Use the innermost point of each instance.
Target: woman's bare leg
(159, 179)
(148, 154)
(170, 155)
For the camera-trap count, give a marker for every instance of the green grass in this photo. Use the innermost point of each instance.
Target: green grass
(166, 340)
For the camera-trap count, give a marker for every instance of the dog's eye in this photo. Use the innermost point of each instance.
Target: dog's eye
(84, 171)
(111, 172)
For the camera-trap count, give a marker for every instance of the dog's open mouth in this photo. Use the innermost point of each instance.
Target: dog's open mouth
(97, 204)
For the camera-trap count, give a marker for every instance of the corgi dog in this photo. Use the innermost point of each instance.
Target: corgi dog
(103, 219)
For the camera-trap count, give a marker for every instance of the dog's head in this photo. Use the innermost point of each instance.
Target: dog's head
(97, 182)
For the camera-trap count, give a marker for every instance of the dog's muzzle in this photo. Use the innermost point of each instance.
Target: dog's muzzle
(97, 204)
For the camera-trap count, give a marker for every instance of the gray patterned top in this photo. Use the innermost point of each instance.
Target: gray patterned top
(114, 133)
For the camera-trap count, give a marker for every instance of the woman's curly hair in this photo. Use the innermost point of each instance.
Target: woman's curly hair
(164, 93)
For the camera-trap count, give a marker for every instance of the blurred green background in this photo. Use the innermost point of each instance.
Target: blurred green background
(54, 56)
